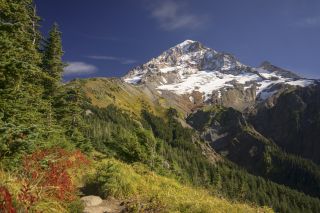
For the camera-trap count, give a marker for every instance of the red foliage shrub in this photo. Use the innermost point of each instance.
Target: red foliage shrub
(50, 170)
(6, 201)
(26, 196)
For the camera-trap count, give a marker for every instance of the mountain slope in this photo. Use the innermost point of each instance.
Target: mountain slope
(179, 155)
(231, 135)
(293, 121)
(202, 74)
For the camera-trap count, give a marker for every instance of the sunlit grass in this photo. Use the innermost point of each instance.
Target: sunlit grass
(147, 191)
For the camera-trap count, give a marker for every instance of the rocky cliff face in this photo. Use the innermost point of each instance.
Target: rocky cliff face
(190, 70)
(265, 152)
(292, 121)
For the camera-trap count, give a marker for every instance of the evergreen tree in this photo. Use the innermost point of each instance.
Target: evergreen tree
(20, 74)
(19, 55)
(68, 113)
(22, 109)
(52, 60)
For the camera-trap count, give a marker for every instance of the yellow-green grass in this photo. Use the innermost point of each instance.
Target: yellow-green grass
(148, 191)
(105, 91)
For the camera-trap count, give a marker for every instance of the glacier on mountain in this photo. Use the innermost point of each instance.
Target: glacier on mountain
(190, 66)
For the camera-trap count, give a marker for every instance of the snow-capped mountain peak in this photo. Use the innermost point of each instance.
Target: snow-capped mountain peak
(266, 65)
(191, 67)
(187, 43)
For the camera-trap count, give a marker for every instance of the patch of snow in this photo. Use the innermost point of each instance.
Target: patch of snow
(164, 80)
(133, 80)
(185, 57)
(202, 81)
(191, 99)
(168, 69)
(246, 77)
(301, 83)
(185, 43)
(266, 94)
(227, 64)
(219, 94)
(261, 71)
(247, 87)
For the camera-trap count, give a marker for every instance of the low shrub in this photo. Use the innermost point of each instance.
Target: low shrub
(6, 204)
(46, 182)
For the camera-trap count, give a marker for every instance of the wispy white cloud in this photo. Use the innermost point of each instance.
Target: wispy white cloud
(112, 58)
(174, 15)
(103, 57)
(79, 68)
(129, 61)
(309, 22)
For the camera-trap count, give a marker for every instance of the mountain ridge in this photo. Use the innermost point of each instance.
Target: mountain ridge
(190, 67)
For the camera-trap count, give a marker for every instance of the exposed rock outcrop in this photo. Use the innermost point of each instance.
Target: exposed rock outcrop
(94, 204)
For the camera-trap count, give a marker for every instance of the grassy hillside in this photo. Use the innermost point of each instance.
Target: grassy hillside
(105, 91)
(148, 192)
(140, 189)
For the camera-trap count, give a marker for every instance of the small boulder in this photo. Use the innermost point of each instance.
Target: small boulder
(91, 200)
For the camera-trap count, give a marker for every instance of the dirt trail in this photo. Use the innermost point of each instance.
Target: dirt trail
(94, 204)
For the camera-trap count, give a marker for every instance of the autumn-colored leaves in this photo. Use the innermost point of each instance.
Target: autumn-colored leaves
(45, 174)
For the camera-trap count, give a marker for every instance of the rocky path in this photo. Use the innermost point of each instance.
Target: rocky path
(94, 204)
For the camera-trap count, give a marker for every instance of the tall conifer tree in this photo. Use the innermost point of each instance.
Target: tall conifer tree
(52, 61)
(22, 107)
(19, 36)
(21, 77)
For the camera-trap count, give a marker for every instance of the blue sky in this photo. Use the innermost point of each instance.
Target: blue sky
(109, 37)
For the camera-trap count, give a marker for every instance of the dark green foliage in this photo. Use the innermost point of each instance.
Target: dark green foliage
(76, 206)
(20, 74)
(294, 172)
(262, 192)
(200, 121)
(27, 120)
(19, 56)
(225, 179)
(294, 122)
(23, 111)
(52, 59)
(249, 149)
(68, 113)
(178, 153)
(115, 133)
